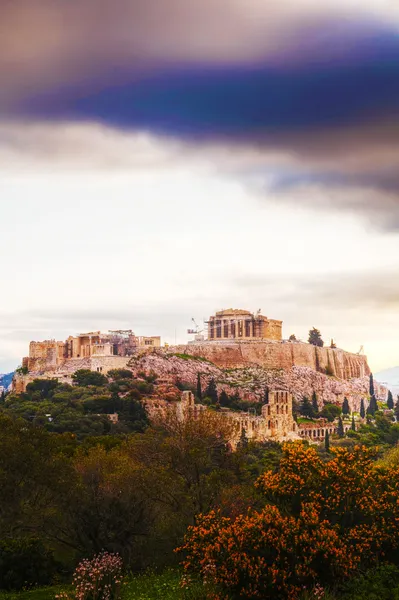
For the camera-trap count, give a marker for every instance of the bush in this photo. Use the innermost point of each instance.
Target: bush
(25, 562)
(97, 579)
(323, 523)
(381, 583)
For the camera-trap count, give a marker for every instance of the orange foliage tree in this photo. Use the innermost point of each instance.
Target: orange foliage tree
(322, 522)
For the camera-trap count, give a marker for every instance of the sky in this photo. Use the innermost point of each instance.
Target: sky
(163, 160)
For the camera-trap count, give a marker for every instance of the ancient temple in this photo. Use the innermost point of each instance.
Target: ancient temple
(236, 324)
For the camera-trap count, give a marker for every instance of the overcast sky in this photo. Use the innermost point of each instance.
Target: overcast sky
(160, 161)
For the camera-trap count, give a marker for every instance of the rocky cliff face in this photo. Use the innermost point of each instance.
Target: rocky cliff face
(281, 355)
(250, 381)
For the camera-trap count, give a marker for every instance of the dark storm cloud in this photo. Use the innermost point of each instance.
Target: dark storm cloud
(241, 103)
(317, 84)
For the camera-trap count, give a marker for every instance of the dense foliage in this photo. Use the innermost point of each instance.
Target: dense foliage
(74, 484)
(82, 408)
(323, 523)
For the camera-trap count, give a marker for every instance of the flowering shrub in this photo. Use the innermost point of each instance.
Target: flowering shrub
(97, 579)
(324, 522)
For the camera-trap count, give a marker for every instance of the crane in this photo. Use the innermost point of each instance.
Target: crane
(361, 351)
(197, 332)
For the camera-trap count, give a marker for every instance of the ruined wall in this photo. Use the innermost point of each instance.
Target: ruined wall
(45, 355)
(280, 355)
(273, 330)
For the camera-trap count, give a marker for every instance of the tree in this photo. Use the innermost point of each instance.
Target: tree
(353, 426)
(345, 407)
(371, 385)
(243, 441)
(362, 409)
(199, 388)
(306, 409)
(314, 511)
(266, 395)
(330, 412)
(224, 399)
(86, 377)
(340, 428)
(211, 391)
(292, 338)
(315, 337)
(116, 374)
(373, 406)
(315, 405)
(396, 409)
(327, 442)
(390, 400)
(3, 397)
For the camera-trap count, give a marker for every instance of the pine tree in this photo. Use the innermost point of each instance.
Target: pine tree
(345, 407)
(371, 385)
(390, 400)
(199, 389)
(306, 409)
(396, 409)
(353, 426)
(340, 428)
(373, 406)
(327, 442)
(243, 441)
(211, 391)
(315, 337)
(3, 397)
(266, 396)
(362, 409)
(315, 406)
(224, 399)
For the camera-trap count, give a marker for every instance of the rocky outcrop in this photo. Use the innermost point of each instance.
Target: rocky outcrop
(280, 355)
(250, 381)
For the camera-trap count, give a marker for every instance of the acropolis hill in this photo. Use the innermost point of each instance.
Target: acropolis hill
(236, 340)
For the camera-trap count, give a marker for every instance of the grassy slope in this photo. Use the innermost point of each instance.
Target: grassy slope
(164, 586)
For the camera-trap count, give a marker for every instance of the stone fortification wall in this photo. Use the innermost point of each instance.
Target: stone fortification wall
(280, 355)
(64, 373)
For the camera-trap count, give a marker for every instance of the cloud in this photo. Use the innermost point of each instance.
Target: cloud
(301, 99)
(367, 290)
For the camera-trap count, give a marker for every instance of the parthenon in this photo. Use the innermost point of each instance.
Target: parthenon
(236, 324)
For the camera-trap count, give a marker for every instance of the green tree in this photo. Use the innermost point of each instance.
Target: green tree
(371, 385)
(85, 377)
(266, 396)
(211, 391)
(315, 405)
(224, 399)
(396, 409)
(243, 441)
(353, 426)
(373, 406)
(345, 407)
(327, 442)
(199, 388)
(330, 412)
(390, 400)
(315, 337)
(306, 408)
(42, 388)
(362, 409)
(2, 397)
(117, 374)
(340, 427)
